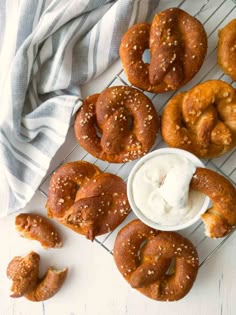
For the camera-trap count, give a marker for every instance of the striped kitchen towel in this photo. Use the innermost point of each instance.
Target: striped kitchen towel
(48, 49)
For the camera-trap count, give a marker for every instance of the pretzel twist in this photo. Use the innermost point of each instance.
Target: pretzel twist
(86, 200)
(220, 219)
(178, 45)
(126, 120)
(226, 51)
(144, 255)
(202, 120)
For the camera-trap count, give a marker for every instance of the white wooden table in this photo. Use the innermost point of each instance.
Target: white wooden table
(94, 286)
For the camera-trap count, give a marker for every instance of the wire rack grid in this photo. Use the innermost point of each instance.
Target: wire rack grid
(213, 14)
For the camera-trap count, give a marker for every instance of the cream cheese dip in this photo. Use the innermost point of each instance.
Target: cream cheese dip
(160, 190)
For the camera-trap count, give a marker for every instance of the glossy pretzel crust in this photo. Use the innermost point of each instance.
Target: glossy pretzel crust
(178, 45)
(220, 219)
(202, 120)
(24, 273)
(36, 227)
(143, 256)
(126, 120)
(86, 200)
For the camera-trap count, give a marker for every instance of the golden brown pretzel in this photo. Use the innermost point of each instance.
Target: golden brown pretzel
(126, 119)
(87, 201)
(178, 45)
(226, 52)
(221, 217)
(24, 273)
(36, 227)
(48, 286)
(143, 256)
(64, 185)
(202, 120)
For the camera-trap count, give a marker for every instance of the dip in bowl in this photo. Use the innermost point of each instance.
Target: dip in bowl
(159, 190)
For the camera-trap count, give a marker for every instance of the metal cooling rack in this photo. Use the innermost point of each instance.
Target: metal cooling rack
(213, 14)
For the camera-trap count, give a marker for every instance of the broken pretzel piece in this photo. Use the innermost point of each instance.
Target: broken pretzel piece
(48, 286)
(36, 227)
(24, 272)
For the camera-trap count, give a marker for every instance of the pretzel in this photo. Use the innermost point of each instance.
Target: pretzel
(202, 120)
(48, 286)
(87, 201)
(126, 119)
(178, 45)
(226, 52)
(145, 257)
(24, 273)
(35, 227)
(64, 185)
(220, 219)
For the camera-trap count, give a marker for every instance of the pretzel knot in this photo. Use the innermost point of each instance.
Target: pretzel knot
(202, 120)
(161, 265)
(220, 219)
(86, 200)
(178, 45)
(118, 125)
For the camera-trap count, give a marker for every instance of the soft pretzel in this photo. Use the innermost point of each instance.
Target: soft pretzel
(178, 45)
(144, 256)
(47, 286)
(86, 200)
(202, 120)
(36, 227)
(220, 219)
(24, 273)
(126, 119)
(64, 185)
(226, 52)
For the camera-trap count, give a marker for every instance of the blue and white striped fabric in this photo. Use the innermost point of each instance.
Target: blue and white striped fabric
(49, 48)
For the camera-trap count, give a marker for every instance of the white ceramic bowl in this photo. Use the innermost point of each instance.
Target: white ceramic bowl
(139, 214)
